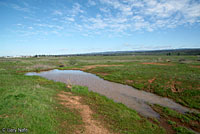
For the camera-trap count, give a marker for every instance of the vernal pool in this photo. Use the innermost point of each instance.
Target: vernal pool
(131, 97)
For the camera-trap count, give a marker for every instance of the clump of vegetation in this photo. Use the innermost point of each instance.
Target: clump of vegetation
(187, 117)
(37, 69)
(182, 130)
(72, 61)
(61, 65)
(171, 122)
(181, 60)
(176, 119)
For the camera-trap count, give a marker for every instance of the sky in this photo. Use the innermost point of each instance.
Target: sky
(30, 27)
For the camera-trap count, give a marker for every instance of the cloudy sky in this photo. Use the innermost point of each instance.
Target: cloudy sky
(29, 27)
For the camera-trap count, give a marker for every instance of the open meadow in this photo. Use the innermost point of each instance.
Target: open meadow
(40, 105)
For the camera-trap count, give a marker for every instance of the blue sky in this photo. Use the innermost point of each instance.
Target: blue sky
(29, 27)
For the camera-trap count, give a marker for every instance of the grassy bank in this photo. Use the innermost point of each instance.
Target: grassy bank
(177, 121)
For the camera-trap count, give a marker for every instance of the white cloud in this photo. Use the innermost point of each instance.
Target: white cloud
(124, 8)
(19, 24)
(76, 9)
(105, 10)
(57, 12)
(63, 50)
(186, 10)
(32, 18)
(19, 8)
(70, 19)
(154, 14)
(115, 16)
(58, 27)
(91, 2)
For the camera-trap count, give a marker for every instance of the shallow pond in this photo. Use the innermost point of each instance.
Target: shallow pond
(131, 97)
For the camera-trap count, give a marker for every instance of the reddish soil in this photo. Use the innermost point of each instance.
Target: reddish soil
(94, 66)
(103, 74)
(195, 66)
(166, 126)
(3, 116)
(174, 87)
(152, 80)
(155, 63)
(164, 122)
(129, 81)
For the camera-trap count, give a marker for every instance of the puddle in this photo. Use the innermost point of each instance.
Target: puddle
(131, 97)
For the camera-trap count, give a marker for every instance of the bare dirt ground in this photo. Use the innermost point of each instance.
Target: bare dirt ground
(195, 66)
(94, 66)
(154, 63)
(91, 126)
(4, 116)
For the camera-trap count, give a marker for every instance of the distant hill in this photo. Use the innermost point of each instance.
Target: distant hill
(186, 51)
(151, 52)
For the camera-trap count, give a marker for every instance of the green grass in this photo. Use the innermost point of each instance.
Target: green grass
(183, 130)
(171, 122)
(116, 116)
(29, 102)
(180, 129)
(176, 119)
(187, 117)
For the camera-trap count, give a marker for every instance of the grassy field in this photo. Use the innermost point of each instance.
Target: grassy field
(30, 102)
(180, 82)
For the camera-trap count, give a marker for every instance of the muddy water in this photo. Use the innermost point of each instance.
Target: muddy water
(133, 98)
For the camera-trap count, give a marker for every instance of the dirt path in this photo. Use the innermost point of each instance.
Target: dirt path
(91, 126)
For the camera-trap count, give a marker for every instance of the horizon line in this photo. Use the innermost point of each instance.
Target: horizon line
(102, 52)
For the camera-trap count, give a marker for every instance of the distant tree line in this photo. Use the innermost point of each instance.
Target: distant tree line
(124, 53)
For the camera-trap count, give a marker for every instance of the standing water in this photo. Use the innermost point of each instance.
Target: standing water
(131, 97)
